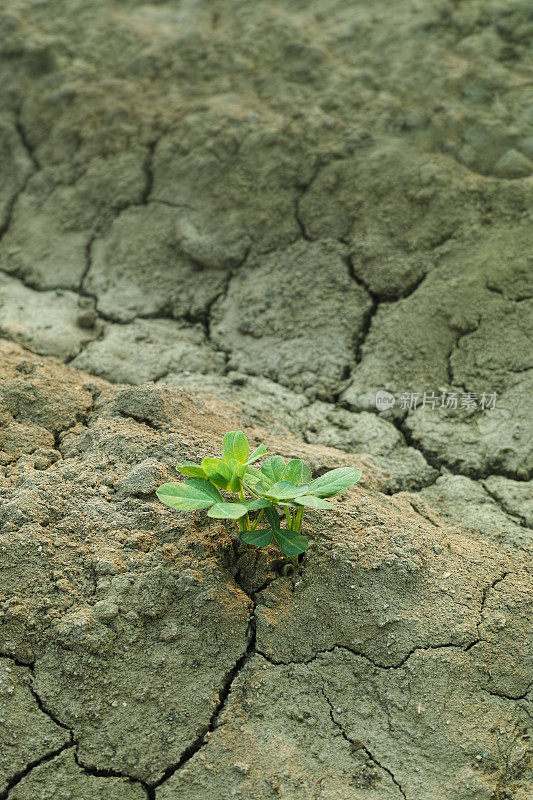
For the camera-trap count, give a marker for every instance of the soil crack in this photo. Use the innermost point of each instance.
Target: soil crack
(504, 696)
(149, 171)
(227, 684)
(203, 737)
(111, 773)
(18, 776)
(513, 515)
(473, 474)
(103, 773)
(369, 315)
(16, 779)
(26, 143)
(374, 663)
(36, 167)
(358, 746)
(484, 595)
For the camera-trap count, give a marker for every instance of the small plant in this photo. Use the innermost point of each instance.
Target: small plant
(252, 495)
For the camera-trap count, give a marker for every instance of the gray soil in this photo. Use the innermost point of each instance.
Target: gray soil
(254, 214)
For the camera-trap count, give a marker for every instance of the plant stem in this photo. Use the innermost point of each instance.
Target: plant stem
(246, 516)
(249, 489)
(289, 518)
(254, 526)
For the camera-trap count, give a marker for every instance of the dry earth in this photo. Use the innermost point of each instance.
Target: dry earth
(257, 214)
(164, 657)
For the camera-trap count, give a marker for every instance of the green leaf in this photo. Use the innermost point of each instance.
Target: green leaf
(273, 469)
(272, 516)
(255, 479)
(189, 496)
(260, 451)
(227, 511)
(206, 486)
(291, 543)
(311, 501)
(293, 471)
(334, 481)
(191, 470)
(234, 484)
(217, 472)
(237, 474)
(307, 475)
(261, 538)
(256, 504)
(235, 445)
(252, 475)
(286, 490)
(260, 488)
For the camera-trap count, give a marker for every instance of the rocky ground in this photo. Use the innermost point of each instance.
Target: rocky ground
(258, 214)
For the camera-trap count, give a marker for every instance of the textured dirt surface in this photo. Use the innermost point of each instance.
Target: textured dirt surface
(151, 650)
(285, 207)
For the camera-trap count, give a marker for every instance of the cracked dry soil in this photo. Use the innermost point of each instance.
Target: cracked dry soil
(150, 655)
(222, 214)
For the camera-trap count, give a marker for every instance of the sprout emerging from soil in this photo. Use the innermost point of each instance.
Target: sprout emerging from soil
(253, 495)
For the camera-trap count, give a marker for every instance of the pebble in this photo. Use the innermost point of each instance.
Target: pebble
(104, 567)
(143, 479)
(105, 610)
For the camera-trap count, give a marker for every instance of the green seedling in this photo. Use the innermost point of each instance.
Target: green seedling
(277, 492)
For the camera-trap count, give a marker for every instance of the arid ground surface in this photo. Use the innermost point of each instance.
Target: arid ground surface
(219, 215)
